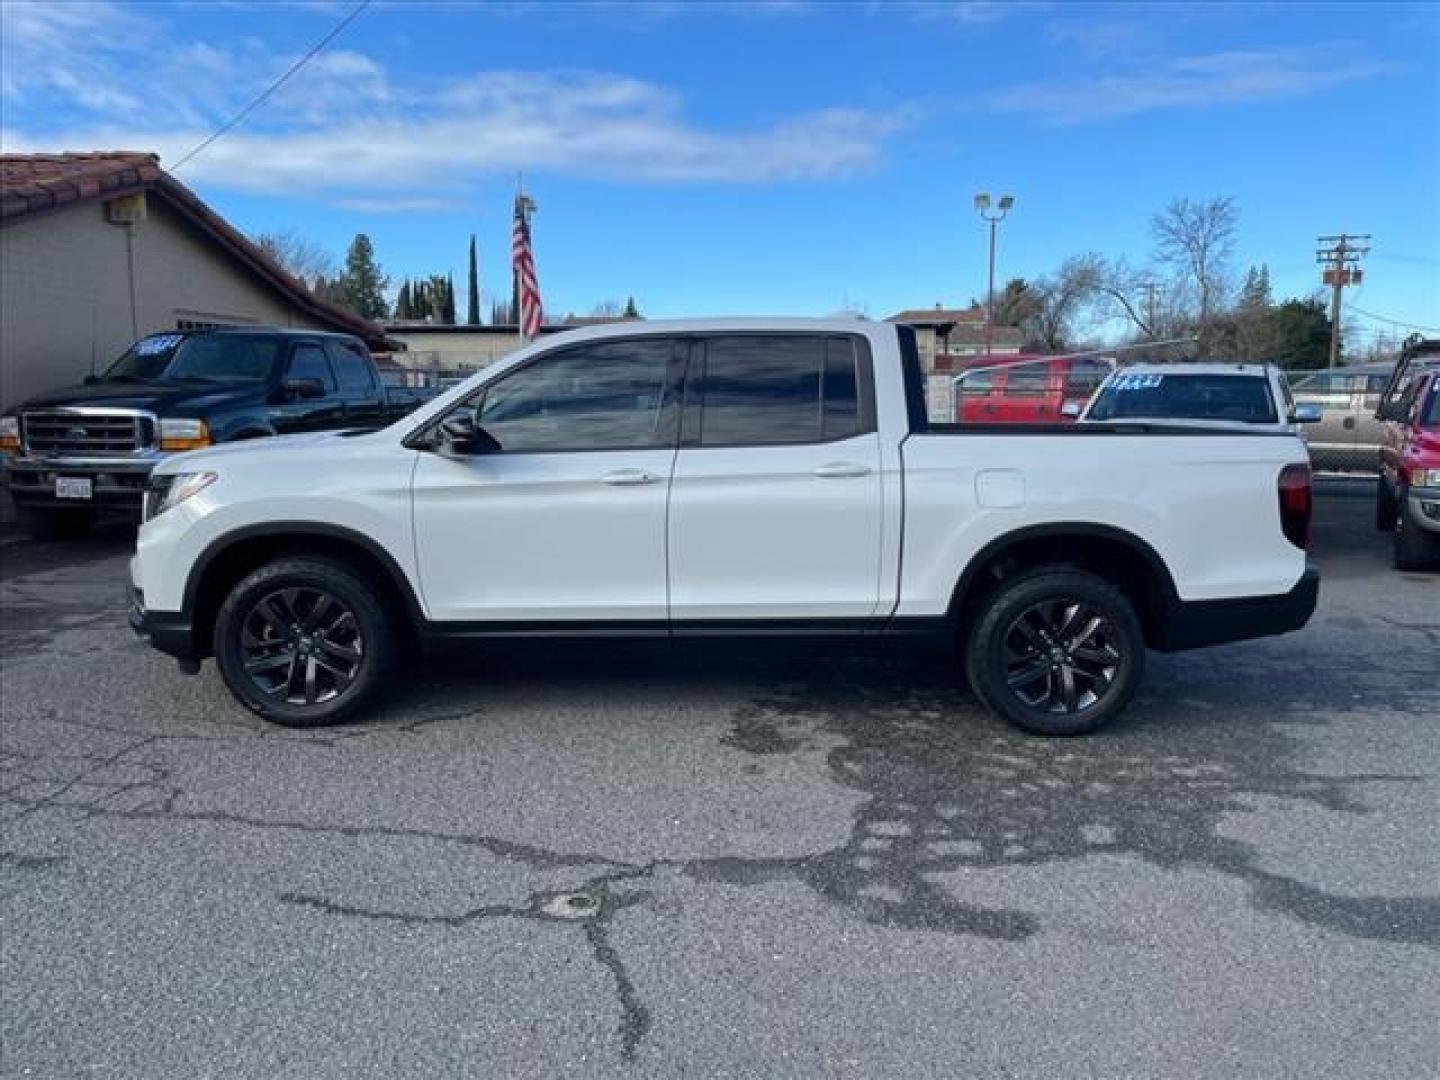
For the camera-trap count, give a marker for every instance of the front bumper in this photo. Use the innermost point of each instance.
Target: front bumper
(118, 485)
(168, 631)
(1196, 624)
(1422, 507)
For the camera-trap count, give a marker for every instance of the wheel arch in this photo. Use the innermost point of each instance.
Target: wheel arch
(1112, 553)
(229, 558)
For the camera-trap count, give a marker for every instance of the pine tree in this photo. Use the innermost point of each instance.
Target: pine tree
(402, 302)
(1255, 293)
(361, 287)
(449, 312)
(631, 311)
(472, 306)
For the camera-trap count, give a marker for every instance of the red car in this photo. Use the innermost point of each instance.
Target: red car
(1407, 498)
(1026, 389)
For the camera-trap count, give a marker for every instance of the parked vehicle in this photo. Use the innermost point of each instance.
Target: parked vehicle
(74, 454)
(1407, 495)
(1027, 389)
(1243, 397)
(1347, 436)
(723, 477)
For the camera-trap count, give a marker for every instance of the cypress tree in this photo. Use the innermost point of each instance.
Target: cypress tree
(472, 306)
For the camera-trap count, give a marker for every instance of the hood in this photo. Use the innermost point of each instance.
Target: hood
(1426, 441)
(162, 399)
(252, 450)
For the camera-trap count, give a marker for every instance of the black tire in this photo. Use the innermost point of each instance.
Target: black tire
(1415, 549)
(1021, 630)
(56, 524)
(295, 660)
(1386, 509)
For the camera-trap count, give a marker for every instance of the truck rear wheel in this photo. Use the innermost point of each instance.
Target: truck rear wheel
(1055, 651)
(64, 524)
(304, 642)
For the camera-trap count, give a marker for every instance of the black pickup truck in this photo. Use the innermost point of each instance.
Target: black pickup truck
(73, 455)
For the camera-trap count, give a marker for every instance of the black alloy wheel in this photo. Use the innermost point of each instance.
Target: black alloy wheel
(305, 641)
(1055, 650)
(302, 646)
(1060, 656)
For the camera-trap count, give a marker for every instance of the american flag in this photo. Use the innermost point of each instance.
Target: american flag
(527, 288)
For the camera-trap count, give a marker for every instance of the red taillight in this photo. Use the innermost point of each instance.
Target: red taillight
(1295, 504)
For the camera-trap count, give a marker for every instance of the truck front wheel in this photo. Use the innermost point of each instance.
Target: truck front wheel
(64, 524)
(1415, 549)
(1055, 651)
(304, 642)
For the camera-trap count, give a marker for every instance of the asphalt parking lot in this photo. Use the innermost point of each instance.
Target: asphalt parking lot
(765, 862)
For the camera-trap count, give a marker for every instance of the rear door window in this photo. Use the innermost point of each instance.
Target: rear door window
(309, 362)
(356, 375)
(766, 390)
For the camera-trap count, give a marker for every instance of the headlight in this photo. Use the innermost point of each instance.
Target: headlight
(1425, 478)
(163, 492)
(9, 434)
(176, 435)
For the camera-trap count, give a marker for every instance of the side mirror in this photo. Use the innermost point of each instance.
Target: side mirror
(1392, 410)
(461, 436)
(1071, 410)
(304, 388)
(1307, 414)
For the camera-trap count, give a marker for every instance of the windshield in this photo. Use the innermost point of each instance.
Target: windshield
(203, 357)
(1431, 416)
(1242, 398)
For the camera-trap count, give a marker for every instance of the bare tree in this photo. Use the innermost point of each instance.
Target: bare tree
(303, 258)
(1057, 301)
(1195, 239)
(607, 309)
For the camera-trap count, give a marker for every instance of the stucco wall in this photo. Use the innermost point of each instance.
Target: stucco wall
(458, 351)
(65, 297)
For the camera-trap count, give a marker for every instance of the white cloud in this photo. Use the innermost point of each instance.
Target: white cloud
(1225, 78)
(347, 129)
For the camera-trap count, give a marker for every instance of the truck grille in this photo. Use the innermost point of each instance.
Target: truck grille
(86, 434)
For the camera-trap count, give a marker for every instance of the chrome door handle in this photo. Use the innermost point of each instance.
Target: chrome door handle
(839, 470)
(628, 477)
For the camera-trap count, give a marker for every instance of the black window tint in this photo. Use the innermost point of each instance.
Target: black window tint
(592, 397)
(762, 390)
(841, 392)
(354, 370)
(309, 363)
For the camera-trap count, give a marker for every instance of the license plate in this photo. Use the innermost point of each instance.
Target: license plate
(74, 487)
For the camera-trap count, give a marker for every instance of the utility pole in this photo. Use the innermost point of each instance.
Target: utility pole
(1339, 258)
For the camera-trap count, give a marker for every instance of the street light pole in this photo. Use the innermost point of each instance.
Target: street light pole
(982, 206)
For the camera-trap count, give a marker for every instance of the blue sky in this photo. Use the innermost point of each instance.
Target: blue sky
(782, 158)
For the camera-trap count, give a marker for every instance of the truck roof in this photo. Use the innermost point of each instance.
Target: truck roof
(1253, 368)
(248, 331)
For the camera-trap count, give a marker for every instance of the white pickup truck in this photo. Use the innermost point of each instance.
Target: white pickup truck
(723, 477)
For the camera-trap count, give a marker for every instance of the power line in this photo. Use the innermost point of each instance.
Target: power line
(281, 81)
(1393, 322)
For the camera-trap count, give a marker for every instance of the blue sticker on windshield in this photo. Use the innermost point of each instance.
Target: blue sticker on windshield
(157, 343)
(1137, 382)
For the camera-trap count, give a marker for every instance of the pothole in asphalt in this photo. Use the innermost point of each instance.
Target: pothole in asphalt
(575, 905)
